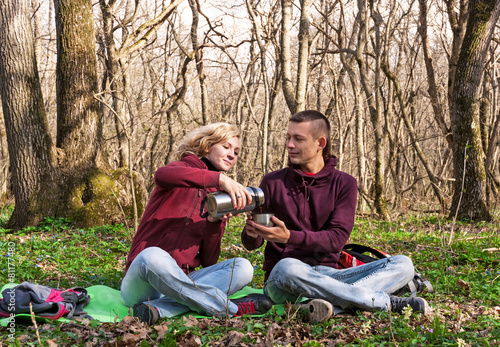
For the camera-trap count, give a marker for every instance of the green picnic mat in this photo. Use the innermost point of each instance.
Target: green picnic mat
(106, 305)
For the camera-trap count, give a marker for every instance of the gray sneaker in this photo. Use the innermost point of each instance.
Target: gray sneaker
(317, 310)
(146, 313)
(417, 304)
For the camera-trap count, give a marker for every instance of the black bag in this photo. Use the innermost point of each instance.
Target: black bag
(355, 255)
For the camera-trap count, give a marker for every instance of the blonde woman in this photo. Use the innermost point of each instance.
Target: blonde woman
(173, 239)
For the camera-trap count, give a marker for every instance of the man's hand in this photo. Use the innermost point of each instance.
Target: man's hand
(277, 233)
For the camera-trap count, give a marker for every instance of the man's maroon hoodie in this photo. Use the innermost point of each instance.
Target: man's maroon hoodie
(317, 209)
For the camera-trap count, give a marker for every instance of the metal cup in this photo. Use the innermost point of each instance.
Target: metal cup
(263, 219)
(219, 203)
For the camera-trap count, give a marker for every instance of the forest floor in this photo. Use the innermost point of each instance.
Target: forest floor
(465, 274)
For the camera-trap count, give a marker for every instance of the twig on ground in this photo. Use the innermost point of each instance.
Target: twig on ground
(491, 250)
(36, 325)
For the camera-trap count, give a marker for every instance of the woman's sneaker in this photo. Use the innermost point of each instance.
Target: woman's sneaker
(253, 304)
(146, 313)
(317, 310)
(417, 305)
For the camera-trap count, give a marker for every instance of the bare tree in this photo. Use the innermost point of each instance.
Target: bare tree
(295, 96)
(469, 198)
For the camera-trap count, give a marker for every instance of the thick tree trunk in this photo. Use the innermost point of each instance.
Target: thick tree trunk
(29, 142)
(78, 122)
(469, 198)
(69, 185)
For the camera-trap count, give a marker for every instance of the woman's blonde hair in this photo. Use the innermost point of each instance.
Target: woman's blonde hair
(199, 141)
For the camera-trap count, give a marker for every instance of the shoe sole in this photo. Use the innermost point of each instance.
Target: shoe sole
(318, 310)
(427, 309)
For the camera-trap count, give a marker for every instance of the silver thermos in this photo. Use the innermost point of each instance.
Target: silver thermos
(219, 203)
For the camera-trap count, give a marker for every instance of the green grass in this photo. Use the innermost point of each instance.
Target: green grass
(465, 277)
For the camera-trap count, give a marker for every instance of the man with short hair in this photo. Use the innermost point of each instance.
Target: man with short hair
(314, 206)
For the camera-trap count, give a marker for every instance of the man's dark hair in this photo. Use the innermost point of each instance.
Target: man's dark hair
(320, 126)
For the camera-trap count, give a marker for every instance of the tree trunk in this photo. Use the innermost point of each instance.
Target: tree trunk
(265, 79)
(303, 62)
(372, 95)
(437, 106)
(78, 122)
(198, 56)
(112, 60)
(69, 185)
(29, 142)
(285, 56)
(295, 96)
(458, 21)
(469, 198)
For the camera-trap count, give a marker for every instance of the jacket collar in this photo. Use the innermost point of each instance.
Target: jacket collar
(194, 161)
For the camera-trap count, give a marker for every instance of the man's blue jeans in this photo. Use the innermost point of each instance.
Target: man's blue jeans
(365, 287)
(155, 278)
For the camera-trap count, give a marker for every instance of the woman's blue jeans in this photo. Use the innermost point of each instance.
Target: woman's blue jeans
(365, 287)
(154, 278)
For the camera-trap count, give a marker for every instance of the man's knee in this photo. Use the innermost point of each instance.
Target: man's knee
(404, 266)
(403, 261)
(289, 268)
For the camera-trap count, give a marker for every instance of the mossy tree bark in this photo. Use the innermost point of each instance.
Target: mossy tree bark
(469, 198)
(68, 179)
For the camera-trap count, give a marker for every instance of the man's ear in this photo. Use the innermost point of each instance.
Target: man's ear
(322, 142)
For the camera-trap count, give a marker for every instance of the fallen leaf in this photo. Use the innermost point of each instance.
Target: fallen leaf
(128, 338)
(162, 330)
(128, 320)
(203, 324)
(190, 321)
(464, 285)
(192, 341)
(234, 337)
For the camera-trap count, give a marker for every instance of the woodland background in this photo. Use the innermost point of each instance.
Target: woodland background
(96, 95)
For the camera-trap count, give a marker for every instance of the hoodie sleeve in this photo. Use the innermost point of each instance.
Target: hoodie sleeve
(338, 229)
(177, 174)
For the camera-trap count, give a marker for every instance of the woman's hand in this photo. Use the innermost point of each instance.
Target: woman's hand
(223, 218)
(240, 196)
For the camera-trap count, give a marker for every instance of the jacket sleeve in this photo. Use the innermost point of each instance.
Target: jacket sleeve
(210, 249)
(176, 175)
(332, 239)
